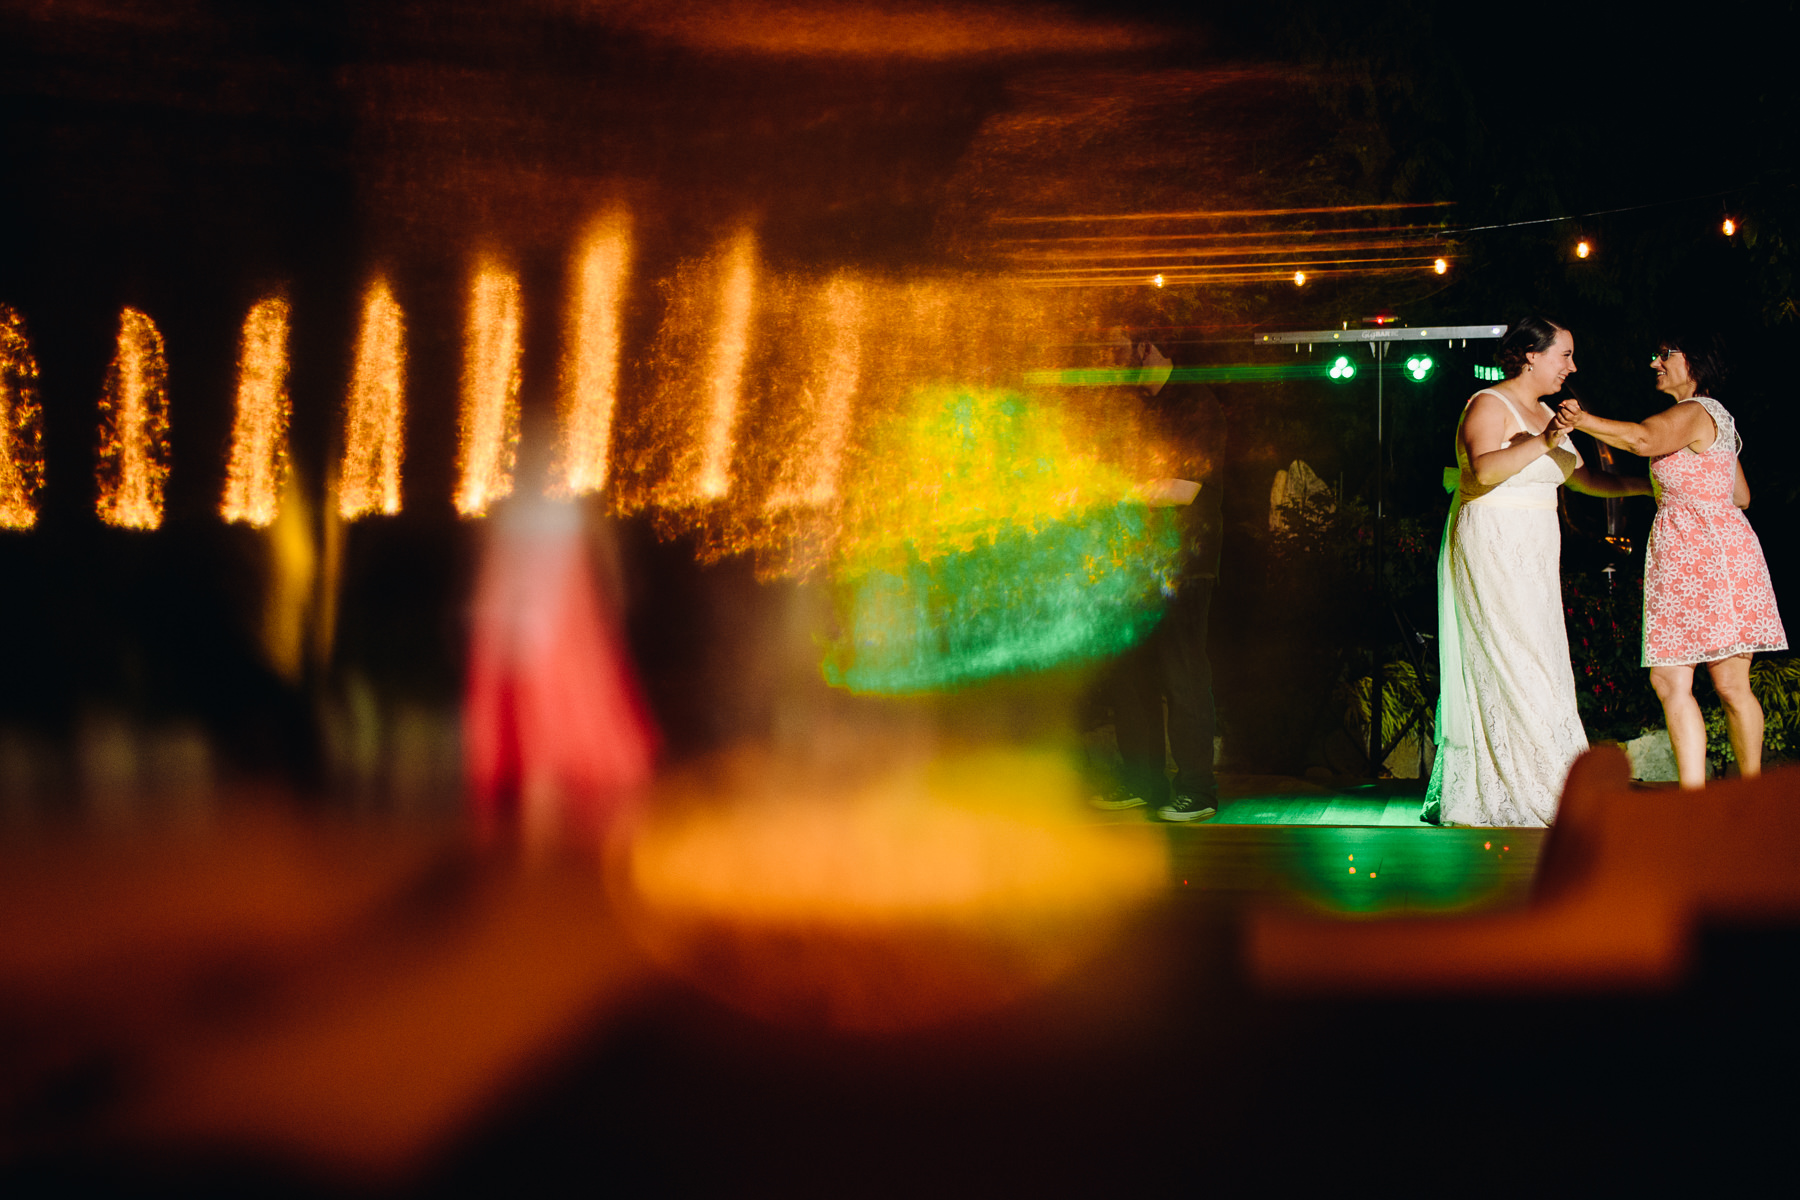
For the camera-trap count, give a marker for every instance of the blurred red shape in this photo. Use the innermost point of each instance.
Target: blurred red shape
(555, 728)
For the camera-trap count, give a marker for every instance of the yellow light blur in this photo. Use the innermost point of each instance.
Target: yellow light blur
(1157, 280)
(375, 419)
(813, 377)
(1582, 249)
(731, 350)
(1441, 266)
(21, 426)
(1730, 227)
(904, 896)
(591, 376)
(293, 567)
(258, 466)
(1299, 278)
(490, 391)
(134, 427)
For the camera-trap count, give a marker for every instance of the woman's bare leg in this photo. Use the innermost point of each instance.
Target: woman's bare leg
(1687, 728)
(1743, 714)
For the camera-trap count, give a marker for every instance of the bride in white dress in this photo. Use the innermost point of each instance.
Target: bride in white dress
(1507, 729)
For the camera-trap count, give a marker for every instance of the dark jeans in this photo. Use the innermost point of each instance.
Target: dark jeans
(1170, 664)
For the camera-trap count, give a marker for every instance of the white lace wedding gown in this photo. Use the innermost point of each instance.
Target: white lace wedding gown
(1507, 728)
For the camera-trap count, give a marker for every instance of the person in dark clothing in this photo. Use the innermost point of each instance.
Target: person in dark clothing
(1184, 432)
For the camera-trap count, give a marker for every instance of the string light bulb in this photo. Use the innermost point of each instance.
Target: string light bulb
(1441, 266)
(1299, 278)
(1157, 280)
(1730, 227)
(1583, 249)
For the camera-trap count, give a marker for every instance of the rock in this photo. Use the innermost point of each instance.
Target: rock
(1294, 486)
(1652, 757)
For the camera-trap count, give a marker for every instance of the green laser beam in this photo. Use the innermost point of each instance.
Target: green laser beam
(1138, 376)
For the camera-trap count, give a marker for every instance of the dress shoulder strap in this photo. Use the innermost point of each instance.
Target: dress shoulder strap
(1510, 407)
(1728, 434)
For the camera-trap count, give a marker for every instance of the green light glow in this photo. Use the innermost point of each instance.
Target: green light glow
(1342, 368)
(1419, 368)
(1332, 868)
(980, 542)
(1135, 376)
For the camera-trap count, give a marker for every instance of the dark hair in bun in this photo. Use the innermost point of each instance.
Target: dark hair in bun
(1532, 335)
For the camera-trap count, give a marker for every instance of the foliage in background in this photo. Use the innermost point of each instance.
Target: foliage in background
(1330, 622)
(1606, 633)
(1776, 682)
(1408, 705)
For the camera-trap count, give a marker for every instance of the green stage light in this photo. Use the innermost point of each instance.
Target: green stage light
(1419, 368)
(1342, 368)
(1489, 374)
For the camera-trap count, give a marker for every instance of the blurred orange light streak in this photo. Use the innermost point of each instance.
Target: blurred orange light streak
(843, 303)
(1305, 262)
(1136, 279)
(21, 426)
(1204, 214)
(1278, 269)
(134, 427)
(1214, 252)
(490, 391)
(731, 349)
(258, 465)
(591, 378)
(375, 420)
(837, 29)
(1218, 235)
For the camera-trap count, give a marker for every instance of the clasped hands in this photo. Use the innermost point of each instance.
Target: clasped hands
(1566, 418)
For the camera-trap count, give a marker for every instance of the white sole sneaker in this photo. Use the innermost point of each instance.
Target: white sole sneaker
(1115, 803)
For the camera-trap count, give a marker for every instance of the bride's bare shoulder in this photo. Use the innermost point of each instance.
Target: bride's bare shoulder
(1483, 406)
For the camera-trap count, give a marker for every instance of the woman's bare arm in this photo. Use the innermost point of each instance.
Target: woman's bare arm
(1740, 489)
(1599, 483)
(1668, 431)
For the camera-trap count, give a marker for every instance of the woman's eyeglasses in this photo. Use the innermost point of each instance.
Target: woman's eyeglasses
(1663, 355)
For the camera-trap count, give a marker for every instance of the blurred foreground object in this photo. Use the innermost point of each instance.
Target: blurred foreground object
(345, 998)
(903, 896)
(1625, 879)
(354, 1001)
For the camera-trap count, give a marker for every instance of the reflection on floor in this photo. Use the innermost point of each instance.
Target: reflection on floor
(1352, 849)
(1278, 800)
(1285, 800)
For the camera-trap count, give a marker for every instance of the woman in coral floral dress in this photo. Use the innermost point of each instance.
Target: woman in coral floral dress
(1707, 597)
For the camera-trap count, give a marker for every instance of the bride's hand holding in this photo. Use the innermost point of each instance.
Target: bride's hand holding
(1561, 422)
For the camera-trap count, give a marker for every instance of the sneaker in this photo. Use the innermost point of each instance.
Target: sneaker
(1187, 808)
(1115, 800)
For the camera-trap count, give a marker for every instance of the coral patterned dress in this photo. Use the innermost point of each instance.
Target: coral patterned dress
(1706, 584)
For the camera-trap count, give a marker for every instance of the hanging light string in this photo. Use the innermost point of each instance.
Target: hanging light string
(1604, 212)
